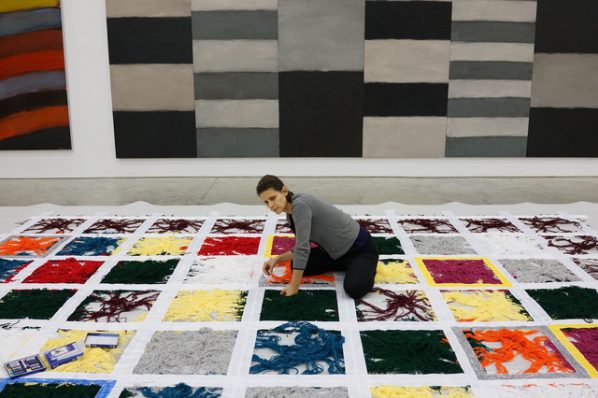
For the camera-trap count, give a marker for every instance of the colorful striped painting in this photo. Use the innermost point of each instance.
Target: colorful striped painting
(33, 100)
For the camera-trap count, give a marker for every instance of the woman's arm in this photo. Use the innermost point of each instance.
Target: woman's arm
(271, 262)
(302, 217)
(293, 286)
(286, 256)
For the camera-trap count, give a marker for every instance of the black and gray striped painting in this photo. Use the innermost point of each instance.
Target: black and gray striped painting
(406, 78)
(353, 78)
(235, 62)
(151, 70)
(490, 76)
(564, 107)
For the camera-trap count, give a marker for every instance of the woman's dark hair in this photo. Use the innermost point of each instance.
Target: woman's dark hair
(269, 181)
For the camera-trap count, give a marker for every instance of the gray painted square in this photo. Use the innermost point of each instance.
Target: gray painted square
(321, 35)
(236, 85)
(441, 245)
(231, 25)
(235, 56)
(237, 142)
(480, 70)
(486, 146)
(484, 374)
(406, 137)
(565, 81)
(490, 31)
(488, 107)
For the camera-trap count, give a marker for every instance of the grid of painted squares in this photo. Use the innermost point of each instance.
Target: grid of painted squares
(493, 298)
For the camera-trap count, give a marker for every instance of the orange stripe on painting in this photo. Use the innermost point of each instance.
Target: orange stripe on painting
(22, 123)
(41, 40)
(31, 62)
(16, 5)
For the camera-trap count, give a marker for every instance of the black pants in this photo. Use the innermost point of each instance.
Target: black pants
(359, 265)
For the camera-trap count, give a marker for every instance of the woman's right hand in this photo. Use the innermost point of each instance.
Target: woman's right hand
(269, 265)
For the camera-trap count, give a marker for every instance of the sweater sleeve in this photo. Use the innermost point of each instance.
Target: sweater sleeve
(302, 218)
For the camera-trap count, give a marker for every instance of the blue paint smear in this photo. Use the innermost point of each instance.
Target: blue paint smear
(28, 21)
(8, 268)
(89, 246)
(31, 83)
(181, 390)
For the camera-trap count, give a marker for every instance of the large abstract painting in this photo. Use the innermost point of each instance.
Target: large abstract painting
(33, 99)
(354, 78)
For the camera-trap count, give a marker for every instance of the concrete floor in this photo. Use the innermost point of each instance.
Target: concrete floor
(372, 190)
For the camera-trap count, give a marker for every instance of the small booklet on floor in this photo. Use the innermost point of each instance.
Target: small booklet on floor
(24, 366)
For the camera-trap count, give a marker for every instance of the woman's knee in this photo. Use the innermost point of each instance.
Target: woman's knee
(357, 289)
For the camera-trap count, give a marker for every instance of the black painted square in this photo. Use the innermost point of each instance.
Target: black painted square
(158, 134)
(150, 40)
(420, 20)
(563, 132)
(406, 99)
(321, 114)
(567, 26)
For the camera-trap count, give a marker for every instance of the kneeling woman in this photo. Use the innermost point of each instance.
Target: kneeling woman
(342, 245)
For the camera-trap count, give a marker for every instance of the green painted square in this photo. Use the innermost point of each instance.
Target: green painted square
(180, 390)
(49, 390)
(141, 272)
(408, 352)
(572, 302)
(307, 305)
(388, 245)
(34, 304)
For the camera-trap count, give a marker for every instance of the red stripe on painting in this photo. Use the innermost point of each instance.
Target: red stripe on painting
(41, 40)
(31, 62)
(22, 123)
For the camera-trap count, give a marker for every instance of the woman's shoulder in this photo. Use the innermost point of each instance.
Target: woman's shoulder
(306, 200)
(303, 199)
(304, 203)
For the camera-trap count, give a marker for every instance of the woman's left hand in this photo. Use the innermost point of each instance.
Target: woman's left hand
(289, 291)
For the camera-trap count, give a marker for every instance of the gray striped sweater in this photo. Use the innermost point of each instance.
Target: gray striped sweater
(319, 222)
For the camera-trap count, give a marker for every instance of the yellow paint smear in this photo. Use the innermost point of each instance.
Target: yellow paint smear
(205, 305)
(17, 5)
(483, 306)
(397, 271)
(387, 391)
(95, 359)
(168, 245)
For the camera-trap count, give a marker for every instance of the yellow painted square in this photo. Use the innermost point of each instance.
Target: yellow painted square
(395, 271)
(160, 246)
(95, 359)
(206, 306)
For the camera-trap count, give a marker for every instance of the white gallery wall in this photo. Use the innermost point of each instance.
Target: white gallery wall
(93, 150)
